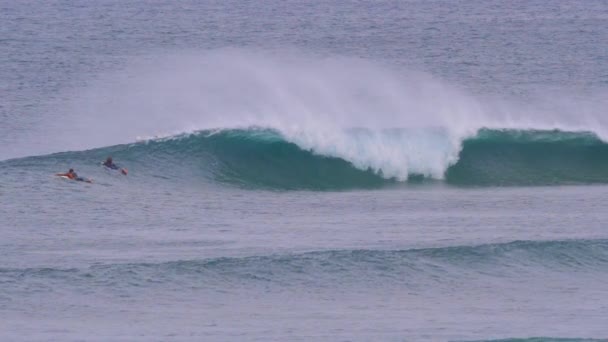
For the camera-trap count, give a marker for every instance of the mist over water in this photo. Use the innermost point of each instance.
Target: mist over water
(371, 114)
(238, 88)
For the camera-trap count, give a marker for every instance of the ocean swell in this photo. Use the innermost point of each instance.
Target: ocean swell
(411, 267)
(260, 158)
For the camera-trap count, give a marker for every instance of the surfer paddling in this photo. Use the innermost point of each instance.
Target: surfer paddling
(110, 165)
(71, 174)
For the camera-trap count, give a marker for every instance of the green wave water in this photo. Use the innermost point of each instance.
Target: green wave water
(265, 159)
(532, 157)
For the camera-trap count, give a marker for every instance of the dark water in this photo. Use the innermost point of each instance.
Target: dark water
(416, 170)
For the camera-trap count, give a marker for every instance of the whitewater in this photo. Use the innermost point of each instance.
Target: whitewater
(411, 171)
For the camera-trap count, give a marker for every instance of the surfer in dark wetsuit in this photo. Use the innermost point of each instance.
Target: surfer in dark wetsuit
(110, 164)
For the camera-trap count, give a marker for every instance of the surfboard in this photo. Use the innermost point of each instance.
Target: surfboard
(124, 171)
(86, 180)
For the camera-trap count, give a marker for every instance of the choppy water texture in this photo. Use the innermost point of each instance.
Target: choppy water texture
(416, 170)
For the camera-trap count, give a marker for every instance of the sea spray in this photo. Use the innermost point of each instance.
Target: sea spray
(297, 94)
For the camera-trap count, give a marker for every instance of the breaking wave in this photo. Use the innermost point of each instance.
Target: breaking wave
(269, 159)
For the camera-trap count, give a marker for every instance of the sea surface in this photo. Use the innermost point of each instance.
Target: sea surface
(304, 170)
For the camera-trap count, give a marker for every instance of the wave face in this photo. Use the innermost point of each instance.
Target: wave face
(267, 159)
(532, 157)
(261, 158)
(258, 158)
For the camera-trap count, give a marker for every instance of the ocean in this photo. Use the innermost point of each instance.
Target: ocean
(304, 171)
